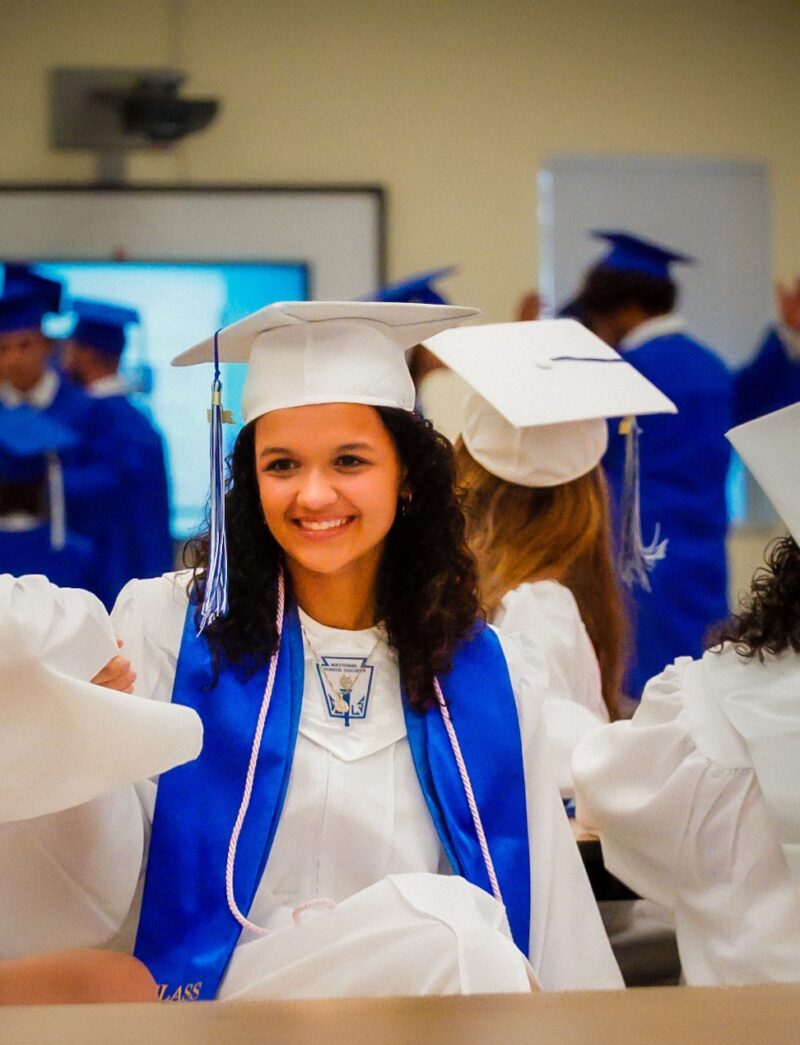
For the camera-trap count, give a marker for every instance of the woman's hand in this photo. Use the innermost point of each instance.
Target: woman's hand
(117, 674)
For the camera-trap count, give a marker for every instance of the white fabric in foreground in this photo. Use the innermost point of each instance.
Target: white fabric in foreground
(678, 805)
(64, 741)
(357, 822)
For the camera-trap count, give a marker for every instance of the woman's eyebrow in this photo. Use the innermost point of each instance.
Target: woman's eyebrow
(345, 447)
(275, 450)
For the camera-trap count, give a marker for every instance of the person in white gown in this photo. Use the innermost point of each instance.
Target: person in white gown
(697, 799)
(528, 458)
(64, 742)
(316, 858)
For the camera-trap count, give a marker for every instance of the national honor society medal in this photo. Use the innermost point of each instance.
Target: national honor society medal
(346, 684)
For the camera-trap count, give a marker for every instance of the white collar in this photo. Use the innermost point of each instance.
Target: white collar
(19, 522)
(41, 396)
(105, 387)
(658, 326)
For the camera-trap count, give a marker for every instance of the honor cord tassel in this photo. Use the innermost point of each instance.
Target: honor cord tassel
(215, 596)
(636, 559)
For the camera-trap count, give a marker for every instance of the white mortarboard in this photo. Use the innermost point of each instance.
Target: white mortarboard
(770, 447)
(304, 353)
(543, 391)
(546, 388)
(63, 741)
(307, 352)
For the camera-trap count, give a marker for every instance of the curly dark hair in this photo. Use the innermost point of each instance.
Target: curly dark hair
(427, 582)
(607, 289)
(769, 617)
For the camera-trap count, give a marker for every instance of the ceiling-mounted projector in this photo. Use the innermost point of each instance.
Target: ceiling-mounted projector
(109, 109)
(153, 107)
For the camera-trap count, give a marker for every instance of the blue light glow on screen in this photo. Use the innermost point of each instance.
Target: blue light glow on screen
(181, 304)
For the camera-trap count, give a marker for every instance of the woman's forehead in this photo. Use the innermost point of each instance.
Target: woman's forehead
(319, 426)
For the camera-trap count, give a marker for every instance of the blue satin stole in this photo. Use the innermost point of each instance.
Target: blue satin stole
(186, 933)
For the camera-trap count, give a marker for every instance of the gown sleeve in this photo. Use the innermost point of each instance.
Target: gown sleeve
(544, 615)
(72, 838)
(569, 949)
(65, 628)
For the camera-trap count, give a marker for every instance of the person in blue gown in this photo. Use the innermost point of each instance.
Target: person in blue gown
(139, 543)
(771, 380)
(628, 299)
(28, 377)
(34, 534)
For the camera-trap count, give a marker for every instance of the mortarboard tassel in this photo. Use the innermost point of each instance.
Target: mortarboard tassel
(215, 596)
(636, 559)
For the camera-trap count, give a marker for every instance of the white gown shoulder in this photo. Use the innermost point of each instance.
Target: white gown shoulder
(546, 614)
(677, 803)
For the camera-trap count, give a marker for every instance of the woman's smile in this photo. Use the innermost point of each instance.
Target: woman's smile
(323, 529)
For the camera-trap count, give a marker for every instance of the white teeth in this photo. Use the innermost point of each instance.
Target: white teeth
(325, 524)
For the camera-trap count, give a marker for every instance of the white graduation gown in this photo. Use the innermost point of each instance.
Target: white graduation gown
(546, 614)
(355, 830)
(676, 796)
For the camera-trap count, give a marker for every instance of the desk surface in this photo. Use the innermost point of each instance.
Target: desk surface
(765, 1015)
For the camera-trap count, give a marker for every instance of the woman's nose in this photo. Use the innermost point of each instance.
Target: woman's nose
(316, 492)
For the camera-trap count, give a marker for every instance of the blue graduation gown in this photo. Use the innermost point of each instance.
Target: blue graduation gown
(684, 464)
(137, 541)
(28, 552)
(770, 381)
(90, 479)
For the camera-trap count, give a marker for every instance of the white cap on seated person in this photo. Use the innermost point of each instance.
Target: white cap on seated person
(542, 393)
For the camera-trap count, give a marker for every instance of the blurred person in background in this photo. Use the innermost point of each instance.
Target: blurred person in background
(628, 299)
(138, 544)
(771, 379)
(34, 538)
(29, 378)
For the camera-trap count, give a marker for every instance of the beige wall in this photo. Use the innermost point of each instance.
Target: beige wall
(451, 105)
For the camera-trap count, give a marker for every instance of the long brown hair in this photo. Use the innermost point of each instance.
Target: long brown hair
(427, 584)
(521, 533)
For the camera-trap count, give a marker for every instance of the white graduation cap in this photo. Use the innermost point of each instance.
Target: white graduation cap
(302, 353)
(306, 352)
(770, 447)
(543, 392)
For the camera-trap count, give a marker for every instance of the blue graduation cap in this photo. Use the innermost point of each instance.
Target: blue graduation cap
(415, 289)
(631, 253)
(30, 443)
(27, 297)
(102, 326)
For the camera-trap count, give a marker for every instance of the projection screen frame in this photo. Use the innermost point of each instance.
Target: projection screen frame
(309, 223)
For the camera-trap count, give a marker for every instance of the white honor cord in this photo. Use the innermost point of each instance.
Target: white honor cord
(470, 794)
(251, 772)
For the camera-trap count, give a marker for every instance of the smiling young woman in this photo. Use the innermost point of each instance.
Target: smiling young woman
(375, 776)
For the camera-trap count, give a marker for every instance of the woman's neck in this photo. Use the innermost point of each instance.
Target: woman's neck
(343, 600)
